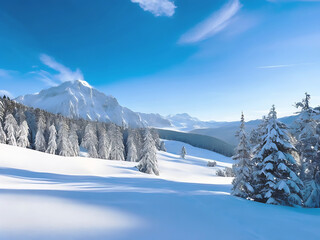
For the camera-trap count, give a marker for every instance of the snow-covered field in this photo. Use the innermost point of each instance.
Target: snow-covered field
(50, 197)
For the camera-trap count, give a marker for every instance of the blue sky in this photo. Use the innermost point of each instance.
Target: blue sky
(211, 59)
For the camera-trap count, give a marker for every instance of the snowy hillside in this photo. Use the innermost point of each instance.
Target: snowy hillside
(51, 197)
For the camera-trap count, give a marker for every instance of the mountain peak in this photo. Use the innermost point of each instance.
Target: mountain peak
(79, 82)
(79, 99)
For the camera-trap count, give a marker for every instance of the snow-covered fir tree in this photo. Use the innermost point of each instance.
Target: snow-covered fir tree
(11, 128)
(64, 146)
(307, 132)
(275, 176)
(307, 139)
(1, 110)
(163, 146)
(90, 140)
(243, 165)
(23, 135)
(183, 152)
(132, 152)
(52, 143)
(117, 146)
(3, 137)
(156, 138)
(40, 141)
(73, 137)
(148, 162)
(104, 145)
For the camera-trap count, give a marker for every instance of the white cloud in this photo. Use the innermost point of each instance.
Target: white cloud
(64, 73)
(283, 65)
(215, 23)
(5, 92)
(157, 7)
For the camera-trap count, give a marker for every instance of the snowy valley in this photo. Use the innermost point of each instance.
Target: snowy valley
(54, 197)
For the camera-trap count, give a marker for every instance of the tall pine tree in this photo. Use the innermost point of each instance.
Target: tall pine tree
(11, 127)
(23, 135)
(104, 145)
(64, 146)
(308, 139)
(52, 143)
(132, 153)
(243, 166)
(148, 162)
(90, 140)
(40, 141)
(276, 180)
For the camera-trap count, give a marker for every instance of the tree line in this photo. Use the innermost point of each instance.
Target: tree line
(278, 165)
(40, 130)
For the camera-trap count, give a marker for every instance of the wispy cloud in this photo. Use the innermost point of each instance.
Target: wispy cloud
(283, 65)
(53, 76)
(157, 7)
(64, 73)
(215, 23)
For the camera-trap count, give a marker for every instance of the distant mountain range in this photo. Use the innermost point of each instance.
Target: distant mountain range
(77, 99)
(226, 131)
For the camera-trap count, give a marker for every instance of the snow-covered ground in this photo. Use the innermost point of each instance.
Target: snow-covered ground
(50, 197)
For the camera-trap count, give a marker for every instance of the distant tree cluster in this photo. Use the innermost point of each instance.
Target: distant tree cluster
(55, 134)
(277, 165)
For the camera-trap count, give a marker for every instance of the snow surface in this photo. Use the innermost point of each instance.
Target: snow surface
(44, 196)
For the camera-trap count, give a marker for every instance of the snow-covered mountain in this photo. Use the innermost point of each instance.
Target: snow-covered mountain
(185, 122)
(78, 99)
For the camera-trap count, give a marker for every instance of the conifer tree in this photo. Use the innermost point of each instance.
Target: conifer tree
(1, 110)
(243, 165)
(11, 128)
(308, 148)
(156, 138)
(117, 146)
(23, 135)
(52, 143)
(104, 146)
(64, 146)
(275, 176)
(73, 138)
(308, 139)
(40, 141)
(148, 162)
(183, 153)
(3, 137)
(90, 140)
(132, 154)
